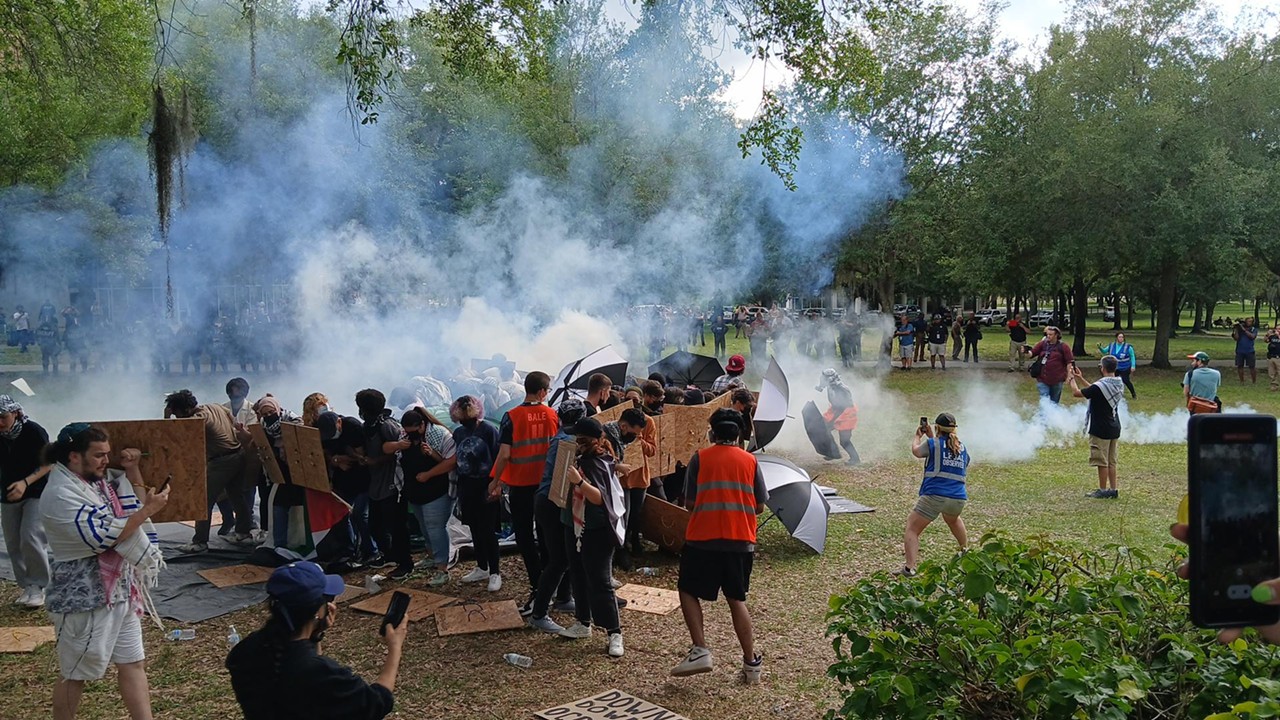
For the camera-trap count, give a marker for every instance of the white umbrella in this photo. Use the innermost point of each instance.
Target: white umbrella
(795, 500)
(573, 378)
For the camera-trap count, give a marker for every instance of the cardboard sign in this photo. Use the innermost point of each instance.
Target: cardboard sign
(25, 639)
(421, 603)
(470, 618)
(634, 454)
(607, 705)
(683, 431)
(664, 524)
(234, 575)
(652, 600)
(262, 446)
(560, 488)
(352, 592)
(305, 457)
(169, 448)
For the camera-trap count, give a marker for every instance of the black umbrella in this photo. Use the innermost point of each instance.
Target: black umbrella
(575, 375)
(795, 500)
(771, 411)
(682, 369)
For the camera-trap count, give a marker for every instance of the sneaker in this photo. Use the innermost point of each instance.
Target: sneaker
(905, 572)
(495, 582)
(569, 607)
(193, 548)
(226, 529)
(545, 624)
(613, 581)
(576, 631)
(475, 576)
(697, 661)
(1113, 494)
(35, 599)
(620, 602)
(425, 563)
(1096, 494)
(439, 579)
(751, 670)
(24, 598)
(378, 560)
(401, 572)
(526, 610)
(615, 645)
(241, 539)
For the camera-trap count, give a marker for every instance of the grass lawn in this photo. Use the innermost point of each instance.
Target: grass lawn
(465, 677)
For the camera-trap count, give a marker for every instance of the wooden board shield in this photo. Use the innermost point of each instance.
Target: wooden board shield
(305, 456)
(262, 446)
(25, 639)
(470, 618)
(682, 431)
(422, 604)
(664, 524)
(652, 600)
(607, 705)
(236, 575)
(169, 447)
(565, 453)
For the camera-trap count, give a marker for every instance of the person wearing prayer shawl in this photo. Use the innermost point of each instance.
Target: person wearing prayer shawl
(105, 560)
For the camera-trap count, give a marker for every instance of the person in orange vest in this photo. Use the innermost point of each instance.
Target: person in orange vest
(724, 491)
(524, 435)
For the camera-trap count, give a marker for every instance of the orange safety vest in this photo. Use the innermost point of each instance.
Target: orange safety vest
(532, 427)
(724, 507)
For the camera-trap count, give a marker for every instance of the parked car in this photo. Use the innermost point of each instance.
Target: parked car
(814, 312)
(1109, 314)
(991, 316)
(1044, 317)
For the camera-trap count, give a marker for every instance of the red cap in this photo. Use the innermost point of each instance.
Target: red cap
(737, 364)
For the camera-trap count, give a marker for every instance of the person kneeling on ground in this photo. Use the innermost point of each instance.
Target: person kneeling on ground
(278, 672)
(943, 490)
(724, 492)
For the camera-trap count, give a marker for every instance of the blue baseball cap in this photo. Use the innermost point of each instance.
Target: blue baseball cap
(303, 584)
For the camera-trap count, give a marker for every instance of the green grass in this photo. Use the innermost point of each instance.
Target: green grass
(465, 677)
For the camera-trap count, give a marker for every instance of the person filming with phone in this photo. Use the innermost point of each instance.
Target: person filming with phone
(278, 672)
(942, 492)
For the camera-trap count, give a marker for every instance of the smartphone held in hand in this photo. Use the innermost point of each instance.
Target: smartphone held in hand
(1234, 522)
(396, 609)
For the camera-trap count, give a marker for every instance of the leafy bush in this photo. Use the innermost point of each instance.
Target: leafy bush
(1038, 629)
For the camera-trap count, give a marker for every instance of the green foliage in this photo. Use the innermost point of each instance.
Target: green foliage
(1039, 629)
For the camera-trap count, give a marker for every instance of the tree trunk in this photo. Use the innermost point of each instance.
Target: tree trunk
(884, 288)
(1115, 311)
(1079, 315)
(1208, 314)
(1165, 306)
(1257, 303)
(1197, 325)
(1128, 301)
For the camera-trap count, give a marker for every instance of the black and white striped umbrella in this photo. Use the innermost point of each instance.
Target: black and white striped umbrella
(795, 500)
(771, 410)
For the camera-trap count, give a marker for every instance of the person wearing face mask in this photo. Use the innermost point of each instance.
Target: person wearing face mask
(632, 426)
(278, 671)
(224, 466)
(388, 512)
(313, 406)
(595, 525)
(22, 474)
(427, 462)
(282, 498)
(476, 444)
(342, 439)
(653, 396)
(242, 412)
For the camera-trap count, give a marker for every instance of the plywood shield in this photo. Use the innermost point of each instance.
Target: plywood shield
(305, 457)
(606, 705)
(422, 604)
(664, 524)
(169, 448)
(652, 600)
(262, 447)
(234, 575)
(565, 453)
(25, 639)
(682, 431)
(470, 618)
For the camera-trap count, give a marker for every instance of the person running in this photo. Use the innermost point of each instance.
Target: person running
(1245, 334)
(943, 491)
(23, 475)
(426, 464)
(594, 529)
(725, 491)
(1126, 360)
(105, 557)
(1056, 361)
(936, 334)
(842, 415)
(1273, 357)
(1200, 385)
(1103, 422)
(278, 671)
(525, 434)
(476, 444)
(1017, 343)
(906, 335)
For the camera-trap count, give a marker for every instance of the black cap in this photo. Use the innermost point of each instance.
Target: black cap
(327, 424)
(588, 427)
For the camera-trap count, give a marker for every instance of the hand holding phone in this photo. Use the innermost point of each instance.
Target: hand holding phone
(396, 609)
(1234, 530)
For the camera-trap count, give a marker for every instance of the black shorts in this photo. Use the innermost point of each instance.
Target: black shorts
(704, 574)
(1248, 360)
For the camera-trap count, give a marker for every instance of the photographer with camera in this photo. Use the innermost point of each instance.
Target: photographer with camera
(278, 671)
(1244, 333)
(943, 490)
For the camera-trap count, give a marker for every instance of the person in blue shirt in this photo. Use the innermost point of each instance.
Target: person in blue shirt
(1126, 358)
(906, 334)
(1244, 334)
(943, 490)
